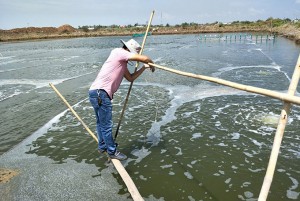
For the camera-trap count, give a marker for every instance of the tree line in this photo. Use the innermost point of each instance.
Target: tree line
(272, 22)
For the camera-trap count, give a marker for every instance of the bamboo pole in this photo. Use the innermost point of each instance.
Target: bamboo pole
(73, 111)
(137, 64)
(118, 165)
(279, 135)
(281, 96)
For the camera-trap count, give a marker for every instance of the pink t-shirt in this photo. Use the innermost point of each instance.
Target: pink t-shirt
(112, 72)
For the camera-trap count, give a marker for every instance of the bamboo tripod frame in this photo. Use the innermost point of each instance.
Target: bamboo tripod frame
(288, 98)
(130, 87)
(118, 165)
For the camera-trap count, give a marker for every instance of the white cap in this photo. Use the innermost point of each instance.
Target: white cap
(132, 45)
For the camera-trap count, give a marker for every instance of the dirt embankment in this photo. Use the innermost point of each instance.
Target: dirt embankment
(30, 33)
(67, 31)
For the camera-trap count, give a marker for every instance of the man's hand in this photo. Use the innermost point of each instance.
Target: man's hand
(151, 67)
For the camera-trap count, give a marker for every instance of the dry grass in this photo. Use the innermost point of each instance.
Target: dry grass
(291, 31)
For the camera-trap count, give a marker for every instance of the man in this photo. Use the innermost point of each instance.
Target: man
(106, 84)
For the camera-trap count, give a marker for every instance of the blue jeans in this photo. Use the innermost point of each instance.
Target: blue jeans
(104, 120)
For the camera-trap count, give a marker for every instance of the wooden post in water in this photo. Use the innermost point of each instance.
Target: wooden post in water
(137, 64)
(118, 165)
(279, 135)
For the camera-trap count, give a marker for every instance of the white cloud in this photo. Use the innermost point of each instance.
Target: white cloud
(297, 1)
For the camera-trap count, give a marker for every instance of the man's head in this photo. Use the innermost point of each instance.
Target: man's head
(132, 46)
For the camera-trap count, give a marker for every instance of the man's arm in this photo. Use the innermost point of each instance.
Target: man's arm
(140, 58)
(133, 76)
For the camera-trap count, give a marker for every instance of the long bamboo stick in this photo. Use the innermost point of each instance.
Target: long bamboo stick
(281, 96)
(118, 165)
(279, 135)
(137, 64)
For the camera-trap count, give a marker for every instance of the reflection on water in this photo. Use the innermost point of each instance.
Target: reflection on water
(185, 138)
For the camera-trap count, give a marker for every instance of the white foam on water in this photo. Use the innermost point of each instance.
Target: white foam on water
(248, 194)
(190, 166)
(11, 61)
(58, 128)
(212, 137)
(259, 144)
(291, 194)
(3, 57)
(227, 181)
(194, 162)
(235, 136)
(295, 152)
(151, 198)
(221, 172)
(186, 47)
(140, 154)
(277, 67)
(281, 170)
(12, 69)
(69, 58)
(179, 151)
(248, 154)
(34, 82)
(232, 68)
(143, 178)
(163, 151)
(234, 167)
(194, 93)
(166, 166)
(246, 184)
(188, 175)
(256, 170)
(195, 136)
(49, 140)
(222, 144)
(268, 119)
(216, 174)
(191, 198)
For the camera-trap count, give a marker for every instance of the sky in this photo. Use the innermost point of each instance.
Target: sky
(54, 13)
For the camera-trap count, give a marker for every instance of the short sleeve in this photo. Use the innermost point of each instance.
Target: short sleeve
(124, 55)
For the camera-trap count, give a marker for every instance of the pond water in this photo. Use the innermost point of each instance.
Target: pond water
(185, 139)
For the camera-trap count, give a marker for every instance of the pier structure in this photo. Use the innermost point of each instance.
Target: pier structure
(257, 38)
